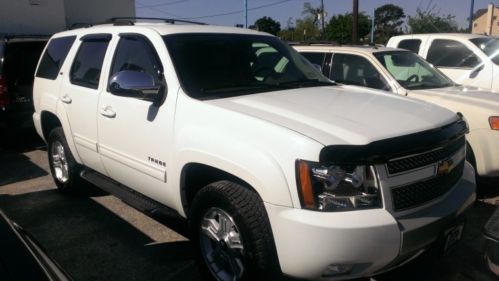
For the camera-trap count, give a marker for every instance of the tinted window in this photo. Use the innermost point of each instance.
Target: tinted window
(87, 65)
(54, 57)
(450, 53)
(356, 70)
(490, 47)
(135, 53)
(315, 58)
(410, 44)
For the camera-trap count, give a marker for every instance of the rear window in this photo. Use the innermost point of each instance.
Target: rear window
(410, 44)
(54, 57)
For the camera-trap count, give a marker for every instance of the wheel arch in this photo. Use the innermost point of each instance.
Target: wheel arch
(50, 121)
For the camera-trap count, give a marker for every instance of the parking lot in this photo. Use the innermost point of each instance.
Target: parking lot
(100, 238)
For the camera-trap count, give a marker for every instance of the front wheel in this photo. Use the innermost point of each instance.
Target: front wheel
(231, 227)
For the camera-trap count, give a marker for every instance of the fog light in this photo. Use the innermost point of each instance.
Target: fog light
(337, 269)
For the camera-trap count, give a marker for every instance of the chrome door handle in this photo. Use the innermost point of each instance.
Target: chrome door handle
(107, 111)
(66, 99)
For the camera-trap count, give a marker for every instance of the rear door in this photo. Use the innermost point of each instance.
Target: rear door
(80, 95)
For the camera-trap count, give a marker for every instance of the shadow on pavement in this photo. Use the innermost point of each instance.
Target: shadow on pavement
(15, 167)
(92, 243)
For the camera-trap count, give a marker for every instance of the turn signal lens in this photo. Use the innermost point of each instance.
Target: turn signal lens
(494, 122)
(307, 193)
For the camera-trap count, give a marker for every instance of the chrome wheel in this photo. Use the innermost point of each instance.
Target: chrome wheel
(59, 163)
(221, 245)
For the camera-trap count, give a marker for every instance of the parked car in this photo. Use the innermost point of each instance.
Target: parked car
(277, 169)
(406, 74)
(22, 258)
(18, 59)
(468, 59)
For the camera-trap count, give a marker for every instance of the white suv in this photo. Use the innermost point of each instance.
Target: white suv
(468, 59)
(277, 169)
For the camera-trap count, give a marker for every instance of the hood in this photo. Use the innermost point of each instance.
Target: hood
(465, 96)
(340, 114)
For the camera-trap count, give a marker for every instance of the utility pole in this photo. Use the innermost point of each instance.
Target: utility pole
(373, 22)
(245, 13)
(472, 9)
(322, 16)
(355, 23)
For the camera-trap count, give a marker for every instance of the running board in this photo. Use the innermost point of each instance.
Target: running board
(144, 204)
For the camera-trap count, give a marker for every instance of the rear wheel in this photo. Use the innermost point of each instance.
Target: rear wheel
(231, 227)
(64, 168)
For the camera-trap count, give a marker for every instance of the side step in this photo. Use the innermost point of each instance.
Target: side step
(144, 204)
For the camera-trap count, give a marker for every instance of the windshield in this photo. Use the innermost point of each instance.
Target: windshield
(223, 65)
(411, 71)
(490, 46)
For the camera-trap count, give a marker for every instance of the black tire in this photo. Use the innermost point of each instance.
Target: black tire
(246, 209)
(73, 183)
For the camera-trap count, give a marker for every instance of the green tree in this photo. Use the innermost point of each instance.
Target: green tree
(267, 24)
(339, 27)
(430, 21)
(389, 19)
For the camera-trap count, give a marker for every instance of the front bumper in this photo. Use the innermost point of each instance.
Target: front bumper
(373, 241)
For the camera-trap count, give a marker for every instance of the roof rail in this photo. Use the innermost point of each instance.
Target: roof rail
(133, 20)
(80, 25)
(308, 43)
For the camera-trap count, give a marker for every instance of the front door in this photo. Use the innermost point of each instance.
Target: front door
(134, 133)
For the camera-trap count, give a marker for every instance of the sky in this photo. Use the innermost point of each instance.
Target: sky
(230, 12)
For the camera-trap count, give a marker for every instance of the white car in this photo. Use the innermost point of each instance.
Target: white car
(278, 170)
(468, 59)
(406, 74)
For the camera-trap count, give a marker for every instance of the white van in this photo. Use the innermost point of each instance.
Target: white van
(468, 59)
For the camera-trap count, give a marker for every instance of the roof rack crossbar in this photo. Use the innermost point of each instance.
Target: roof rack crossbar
(133, 20)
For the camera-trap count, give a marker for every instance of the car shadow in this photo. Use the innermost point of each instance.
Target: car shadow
(93, 243)
(15, 167)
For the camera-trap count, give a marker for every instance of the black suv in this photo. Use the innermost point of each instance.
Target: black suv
(18, 59)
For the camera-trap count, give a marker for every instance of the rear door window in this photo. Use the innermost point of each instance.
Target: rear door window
(451, 54)
(87, 64)
(54, 57)
(410, 44)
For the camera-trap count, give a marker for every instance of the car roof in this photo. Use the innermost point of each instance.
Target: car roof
(356, 49)
(160, 28)
(442, 35)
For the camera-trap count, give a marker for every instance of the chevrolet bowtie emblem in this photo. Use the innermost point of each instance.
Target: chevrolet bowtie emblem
(444, 166)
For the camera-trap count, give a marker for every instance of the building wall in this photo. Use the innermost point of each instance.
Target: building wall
(31, 16)
(49, 16)
(97, 11)
(487, 23)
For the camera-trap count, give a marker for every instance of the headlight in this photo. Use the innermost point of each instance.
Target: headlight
(337, 187)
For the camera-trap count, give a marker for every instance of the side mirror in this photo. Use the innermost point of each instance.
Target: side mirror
(135, 84)
(474, 72)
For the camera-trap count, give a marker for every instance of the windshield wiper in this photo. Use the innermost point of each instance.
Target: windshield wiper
(305, 83)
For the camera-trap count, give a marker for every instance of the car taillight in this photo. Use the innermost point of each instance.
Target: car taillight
(4, 98)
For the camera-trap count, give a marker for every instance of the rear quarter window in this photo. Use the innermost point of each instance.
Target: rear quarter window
(54, 57)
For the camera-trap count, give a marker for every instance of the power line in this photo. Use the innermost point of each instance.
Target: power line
(240, 11)
(142, 6)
